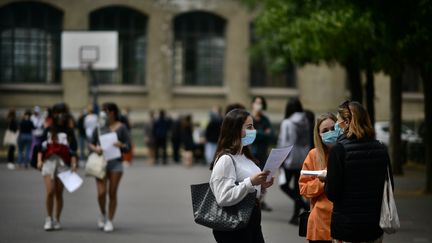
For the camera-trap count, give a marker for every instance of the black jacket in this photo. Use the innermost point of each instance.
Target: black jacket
(355, 181)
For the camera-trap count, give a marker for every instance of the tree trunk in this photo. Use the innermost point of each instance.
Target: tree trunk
(396, 123)
(354, 81)
(370, 93)
(427, 87)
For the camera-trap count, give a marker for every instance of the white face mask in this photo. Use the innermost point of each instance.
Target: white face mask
(257, 107)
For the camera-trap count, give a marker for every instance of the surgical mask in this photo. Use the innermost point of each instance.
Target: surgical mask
(337, 129)
(249, 137)
(257, 107)
(329, 138)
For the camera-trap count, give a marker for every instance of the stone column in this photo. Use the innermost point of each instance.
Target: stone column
(75, 83)
(236, 66)
(321, 88)
(159, 53)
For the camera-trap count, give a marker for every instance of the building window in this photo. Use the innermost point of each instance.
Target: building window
(262, 73)
(132, 28)
(199, 49)
(30, 43)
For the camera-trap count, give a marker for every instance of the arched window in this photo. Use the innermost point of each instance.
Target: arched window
(30, 43)
(261, 74)
(132, 28)
(199, 49)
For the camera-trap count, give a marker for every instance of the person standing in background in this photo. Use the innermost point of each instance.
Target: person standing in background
(312, 187)
(212, 133)
(38, 122)
(294, 130)
(82, 136)
(176, 138)
(90, 122)
(12, 126)
(149, 140)
(124, 118)
(25, 140)
(161, 129)
(187, 140)
(263, 138)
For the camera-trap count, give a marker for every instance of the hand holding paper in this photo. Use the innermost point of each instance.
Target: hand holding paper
(275, 160)
(108, 141)
(70, 180)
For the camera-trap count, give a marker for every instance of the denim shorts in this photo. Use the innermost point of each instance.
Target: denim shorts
(114, 166)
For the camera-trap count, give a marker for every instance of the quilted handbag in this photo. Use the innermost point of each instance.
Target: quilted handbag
(208, 213)
(389, 220)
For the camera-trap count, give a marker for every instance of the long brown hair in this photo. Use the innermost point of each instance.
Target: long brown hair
(230, 136)
(359, 124)
(321, 149)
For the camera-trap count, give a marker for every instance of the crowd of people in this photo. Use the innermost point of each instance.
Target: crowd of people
(235, 144)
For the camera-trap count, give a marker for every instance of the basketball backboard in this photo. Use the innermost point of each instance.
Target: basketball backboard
(81, 48)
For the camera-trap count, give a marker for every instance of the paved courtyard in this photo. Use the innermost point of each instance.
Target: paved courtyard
(155, 207)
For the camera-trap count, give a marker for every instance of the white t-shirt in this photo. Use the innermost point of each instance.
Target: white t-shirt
(224, 177)
(90, 123)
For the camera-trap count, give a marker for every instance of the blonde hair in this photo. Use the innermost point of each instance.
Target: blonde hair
(321, 149)
(359, 124)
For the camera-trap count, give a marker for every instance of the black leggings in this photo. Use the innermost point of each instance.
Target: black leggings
(251, 234)
(11, 154)
(294, 193)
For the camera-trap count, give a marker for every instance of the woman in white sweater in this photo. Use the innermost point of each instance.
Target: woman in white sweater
(232, 180)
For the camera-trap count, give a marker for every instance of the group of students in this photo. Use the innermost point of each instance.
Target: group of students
(57, 152)
(345, 200)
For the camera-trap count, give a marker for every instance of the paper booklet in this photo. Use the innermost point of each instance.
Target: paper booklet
(275, 159)
(311, 172)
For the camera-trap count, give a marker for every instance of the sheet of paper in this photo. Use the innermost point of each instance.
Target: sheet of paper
(311, 172)
(275, 160)
(107, 142)
(70, 180)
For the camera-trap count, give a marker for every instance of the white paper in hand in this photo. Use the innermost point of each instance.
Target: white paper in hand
(275, 160)
(107, 142)
(70, 180)
(311, 172)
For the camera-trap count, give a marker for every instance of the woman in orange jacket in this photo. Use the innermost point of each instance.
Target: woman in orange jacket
(312, 187)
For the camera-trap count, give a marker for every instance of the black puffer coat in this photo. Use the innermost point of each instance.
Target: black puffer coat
(355, 182)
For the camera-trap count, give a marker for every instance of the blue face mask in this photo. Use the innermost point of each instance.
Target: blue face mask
(330, 137)
(249, 138)
(337, 129)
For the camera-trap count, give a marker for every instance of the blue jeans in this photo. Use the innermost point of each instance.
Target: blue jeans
(24, 143)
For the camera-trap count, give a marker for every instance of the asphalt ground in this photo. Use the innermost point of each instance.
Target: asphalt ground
(155, 207)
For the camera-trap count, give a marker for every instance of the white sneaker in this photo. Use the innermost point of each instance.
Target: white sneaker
(48, 224)
(109, 227)
(101, 222)
(56, 225)
(10, 166)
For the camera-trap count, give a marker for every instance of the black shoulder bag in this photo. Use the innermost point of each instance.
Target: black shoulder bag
(208, 213)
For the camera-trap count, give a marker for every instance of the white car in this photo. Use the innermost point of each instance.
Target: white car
(382, 130)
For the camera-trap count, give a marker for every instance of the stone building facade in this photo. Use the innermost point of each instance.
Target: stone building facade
(179, 55)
